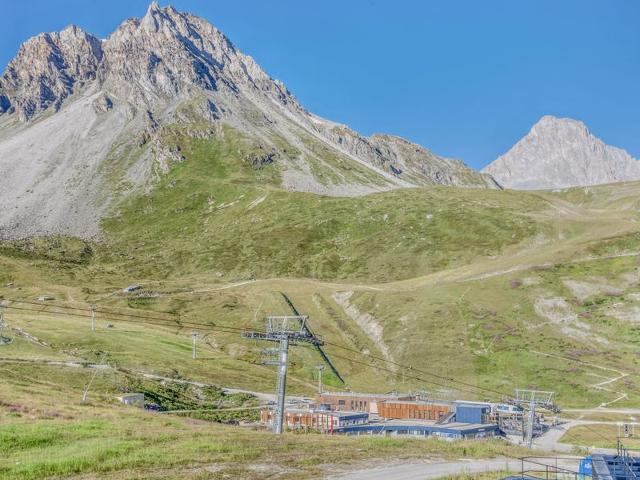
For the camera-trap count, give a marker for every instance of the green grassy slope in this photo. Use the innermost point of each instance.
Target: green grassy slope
(216, 213)
(430, 266)
(497, 290)
(61, 439)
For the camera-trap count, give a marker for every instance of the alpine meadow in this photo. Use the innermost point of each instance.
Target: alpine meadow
(190, 261)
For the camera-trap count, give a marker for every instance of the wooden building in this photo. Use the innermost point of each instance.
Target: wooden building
(357, 402)
(321, 420)
(413, 410)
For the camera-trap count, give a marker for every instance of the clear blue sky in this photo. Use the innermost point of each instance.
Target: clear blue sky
(466, 78)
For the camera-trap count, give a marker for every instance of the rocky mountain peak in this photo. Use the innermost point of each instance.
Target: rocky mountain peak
(158, 18)
(562, 128)
(47, 69)
(559, 153)
(164, 54)
(120, 105)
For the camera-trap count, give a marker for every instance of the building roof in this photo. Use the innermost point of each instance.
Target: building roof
(432, 423)
(421, 427)
(368, 395)
(130, 395)
(441, 403)
(611, 467)
(467, 403)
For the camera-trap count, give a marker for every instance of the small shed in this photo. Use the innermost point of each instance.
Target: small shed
(133, 399)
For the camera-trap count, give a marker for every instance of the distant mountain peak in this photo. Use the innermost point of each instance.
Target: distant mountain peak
(556, 126)
(559, 153)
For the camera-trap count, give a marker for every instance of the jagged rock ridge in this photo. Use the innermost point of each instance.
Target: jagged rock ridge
(76, 111)
(560, 153)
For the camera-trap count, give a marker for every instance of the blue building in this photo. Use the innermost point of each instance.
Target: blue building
(472, 412)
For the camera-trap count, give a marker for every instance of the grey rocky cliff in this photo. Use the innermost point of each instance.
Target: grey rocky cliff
(559, 153)
(48, 69)
(77, 112)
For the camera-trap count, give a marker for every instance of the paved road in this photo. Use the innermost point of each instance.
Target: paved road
(425, 470)
(550, 441)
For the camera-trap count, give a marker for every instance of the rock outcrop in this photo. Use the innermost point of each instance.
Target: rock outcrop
(47, 70)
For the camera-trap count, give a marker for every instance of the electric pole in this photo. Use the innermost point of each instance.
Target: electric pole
(3, 340)
(194, 338)
(93, 318)
(320, 368)
(284, 330)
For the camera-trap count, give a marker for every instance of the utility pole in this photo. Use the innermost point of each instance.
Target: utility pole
(93, 318)
(3, 340)
(320, 368)
(286, 331)
(194, 338)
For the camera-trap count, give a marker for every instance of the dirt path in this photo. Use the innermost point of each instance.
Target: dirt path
(425, 469)
(598, 410)
(420, 470)
(620, 395)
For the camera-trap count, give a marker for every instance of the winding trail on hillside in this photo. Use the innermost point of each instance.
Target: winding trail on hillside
(600, 385)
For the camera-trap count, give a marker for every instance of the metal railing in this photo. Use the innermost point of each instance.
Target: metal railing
(625, 462)
(547, 468)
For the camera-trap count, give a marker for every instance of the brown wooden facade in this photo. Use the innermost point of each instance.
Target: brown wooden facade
(356, 402)
(413, 410)
(318, 420)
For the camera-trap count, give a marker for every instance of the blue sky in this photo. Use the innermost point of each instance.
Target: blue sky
(465, 78)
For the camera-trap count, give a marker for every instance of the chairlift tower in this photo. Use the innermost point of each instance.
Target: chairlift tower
(533, 399)
(284, 330)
